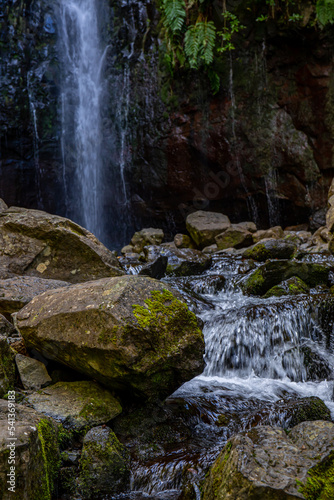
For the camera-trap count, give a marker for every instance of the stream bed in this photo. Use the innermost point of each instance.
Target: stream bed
(258, 372)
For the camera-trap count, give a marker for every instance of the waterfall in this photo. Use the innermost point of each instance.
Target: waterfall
(82, 55)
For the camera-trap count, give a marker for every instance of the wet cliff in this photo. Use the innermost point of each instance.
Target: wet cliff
(260, 148)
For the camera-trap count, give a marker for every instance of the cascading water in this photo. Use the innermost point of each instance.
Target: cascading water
(255, 373)
(82, 55)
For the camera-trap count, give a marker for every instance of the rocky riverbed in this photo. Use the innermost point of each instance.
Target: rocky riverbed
(152, 373)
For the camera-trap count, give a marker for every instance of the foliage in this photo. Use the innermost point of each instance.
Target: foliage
(196, 33)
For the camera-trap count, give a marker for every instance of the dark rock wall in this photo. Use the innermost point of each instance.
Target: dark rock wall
(261, 148)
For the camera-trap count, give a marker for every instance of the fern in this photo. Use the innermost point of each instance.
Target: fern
(325, 12)
(175, 13)
(199, 43)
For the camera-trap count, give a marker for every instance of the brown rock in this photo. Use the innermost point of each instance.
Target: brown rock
(274, 232)
(234, 237)
(204, 226)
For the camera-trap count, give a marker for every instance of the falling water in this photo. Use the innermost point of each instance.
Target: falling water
(82, 55)
(35, 139)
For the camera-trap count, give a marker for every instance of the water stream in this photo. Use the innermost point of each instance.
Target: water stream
(255, 374)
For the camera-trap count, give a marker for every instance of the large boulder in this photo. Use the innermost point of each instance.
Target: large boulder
(36, 452)
(35, 243)
(204, 226)
(271, 249)
(259, 281)
(104, 464)
(275, 232)
(266, 463)
(16, 292)
(292, 286)
(76, 405)
(130, 333)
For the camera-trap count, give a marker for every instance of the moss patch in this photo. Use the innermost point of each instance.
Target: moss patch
(320, 482)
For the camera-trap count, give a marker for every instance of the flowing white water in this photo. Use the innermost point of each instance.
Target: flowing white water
(82, 54)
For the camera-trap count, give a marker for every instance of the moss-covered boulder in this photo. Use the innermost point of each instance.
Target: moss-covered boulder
(270, 274)
(130, 333)
(76, 405)
(7, 366)
(204, 226)
(183, 241)
(234, 237)
(35, 243)
(37, 458)
(16, 292)
(271, 249)
(266, 463)
(292, 286)
(104, 464)
(181, 261)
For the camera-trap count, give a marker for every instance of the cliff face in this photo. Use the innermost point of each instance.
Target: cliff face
(261, 148)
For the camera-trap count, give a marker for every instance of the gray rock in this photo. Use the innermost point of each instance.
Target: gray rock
(249, 226)
(265, 462)
(155, 269)
(147, 236)
(6, 328)
(210, 249)
(15, 293)
(76, 404)
(263, 234)
(181, 261)
(3, 205)
(104, 464)
(183, 241)
(35, 243)
(204, 226)
(131, 333)
(271, 249)
(37, 456)
(234, 237)
(32, 372)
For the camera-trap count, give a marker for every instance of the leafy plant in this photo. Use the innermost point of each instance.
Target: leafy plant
(325, 12)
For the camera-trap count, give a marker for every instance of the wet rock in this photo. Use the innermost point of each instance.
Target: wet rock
(249, 226)
(3, 205)
(318, 219)
(128, 249)
(316, 364)
(292, 286)
(181, 262)
(130, 333)
(271, 249)
(33, 373)
(263, 234)
(234, 237)
(15, 293)
(37, 455)
(145, 237)
(155, 269)
(104, 464)
(183, 241)
(7, 366)
(77, 405)
(210, 249)
(6, 328)
(304, 410)
(272, 273)
(34, 243)
(265, 462)
(211, 284)
(204, 226)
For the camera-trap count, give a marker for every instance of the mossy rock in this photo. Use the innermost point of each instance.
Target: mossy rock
(104, 464)
(133, 334)
(37, 457)
(77, 405)
(266, 463)
(292, 286)
(7, 366)
(234, 237)
(204, 226)
(271, 249)
(272, 273)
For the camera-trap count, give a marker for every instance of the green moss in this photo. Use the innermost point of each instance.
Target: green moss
(320, 481)
(47, 434)
(254, 283)
(108, 336)
(217, 470)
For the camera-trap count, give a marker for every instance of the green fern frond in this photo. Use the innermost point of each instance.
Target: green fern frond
(175, 14)
(325, 12)
(199, 43)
